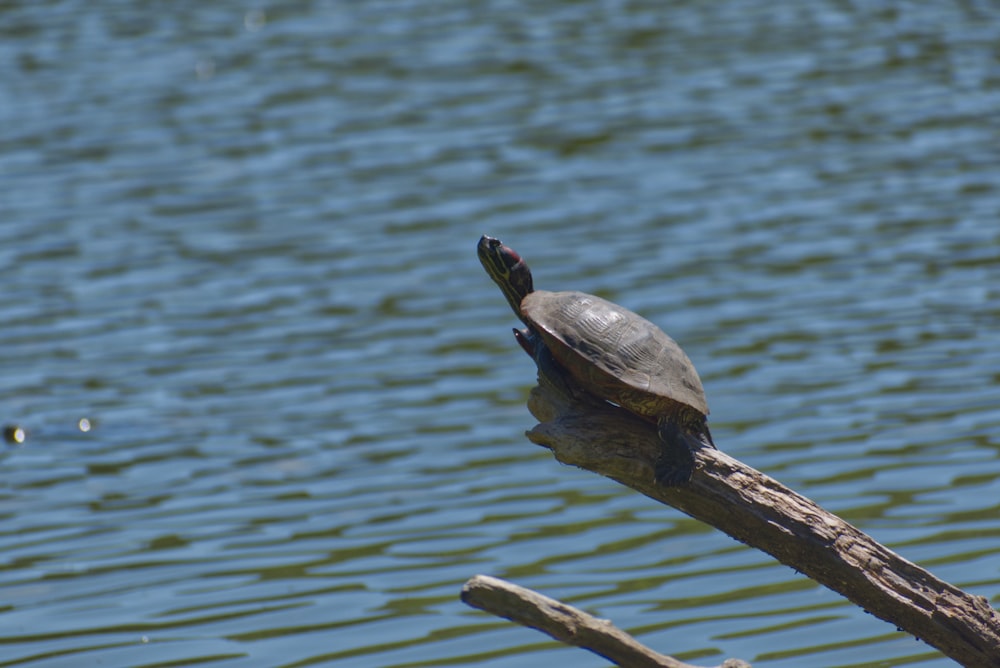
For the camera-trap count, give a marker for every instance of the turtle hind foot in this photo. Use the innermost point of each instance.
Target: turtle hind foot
(671, 473)
(675, 464)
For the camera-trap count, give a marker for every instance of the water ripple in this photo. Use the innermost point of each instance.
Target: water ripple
(239, 242)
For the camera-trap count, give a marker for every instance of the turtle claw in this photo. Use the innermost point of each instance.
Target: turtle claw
(527, 341)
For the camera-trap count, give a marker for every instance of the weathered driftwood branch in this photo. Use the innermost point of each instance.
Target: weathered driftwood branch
(567, 624)
(761, 512)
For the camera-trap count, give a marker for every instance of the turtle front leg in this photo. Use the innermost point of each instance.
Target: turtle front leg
(546, 363)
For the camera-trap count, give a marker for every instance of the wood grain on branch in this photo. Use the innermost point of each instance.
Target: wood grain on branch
(763, 513)
(567, 624)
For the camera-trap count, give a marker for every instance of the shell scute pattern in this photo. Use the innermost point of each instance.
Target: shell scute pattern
(612, 350)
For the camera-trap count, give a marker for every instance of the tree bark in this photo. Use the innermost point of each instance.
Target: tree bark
(762, 513)
(567, 624)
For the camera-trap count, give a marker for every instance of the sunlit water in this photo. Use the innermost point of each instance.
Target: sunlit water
(240, 241)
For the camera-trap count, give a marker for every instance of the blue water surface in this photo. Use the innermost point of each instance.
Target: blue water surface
(239, 241)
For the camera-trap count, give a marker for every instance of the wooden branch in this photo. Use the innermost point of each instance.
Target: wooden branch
(567, 624)
(761, 512)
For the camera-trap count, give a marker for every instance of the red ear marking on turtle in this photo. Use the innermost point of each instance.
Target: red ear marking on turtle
(511, 258)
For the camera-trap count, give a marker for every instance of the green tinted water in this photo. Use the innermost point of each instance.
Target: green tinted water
(242, 244)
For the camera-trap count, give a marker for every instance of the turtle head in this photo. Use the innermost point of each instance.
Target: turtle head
(507, 269)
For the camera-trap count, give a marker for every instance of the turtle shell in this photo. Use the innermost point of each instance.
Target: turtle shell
(614, 353)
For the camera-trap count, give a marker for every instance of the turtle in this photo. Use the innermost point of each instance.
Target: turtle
(611, 353)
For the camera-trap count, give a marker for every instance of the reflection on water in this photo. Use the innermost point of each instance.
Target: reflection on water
(240, 242)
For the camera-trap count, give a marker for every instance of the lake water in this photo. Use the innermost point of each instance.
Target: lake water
(240, 241)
